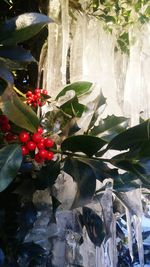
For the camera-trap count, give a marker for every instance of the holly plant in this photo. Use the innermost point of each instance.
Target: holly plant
(42, 137)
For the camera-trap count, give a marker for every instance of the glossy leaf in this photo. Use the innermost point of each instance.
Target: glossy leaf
(85, 178)
(126, 182)
(94, 226)
(110, 127)
(140, 169)
(15, 57)
(10, 161)
(100, 169)
(73, 107)
(22, 27)
(6, 74)
(87, 144)
(80, 88)
(18, 112)
(3, 86)
(132, 137)
(99, 102)
(47, 176)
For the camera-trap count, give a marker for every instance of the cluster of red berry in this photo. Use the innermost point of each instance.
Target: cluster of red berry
(37, 142)
(35, 99)
(6, 129)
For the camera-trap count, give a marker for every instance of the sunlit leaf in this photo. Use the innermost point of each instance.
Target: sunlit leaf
(17, 111)
(22, 27)
(99, 101)
(80, 88)
(134, 136)
(109, 127)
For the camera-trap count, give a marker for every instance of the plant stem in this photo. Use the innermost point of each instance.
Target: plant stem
(79, 155)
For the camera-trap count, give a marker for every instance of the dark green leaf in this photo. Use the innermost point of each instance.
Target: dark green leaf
(22, 27)
(5, 74)
(100, 169)
(131, 137)
(140, 169)
(83, 143)
(85, 178)
(80, 88)
(126, 182)
(94, 226)
(15, 57)
(47, 176)
(110, 127)
(10, 161)
(99, 101)
(18, 112)
(3, 86)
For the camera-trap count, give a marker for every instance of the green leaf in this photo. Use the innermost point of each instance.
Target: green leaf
(100, 169)
(99, 101)
(80, 88)
(3, 86)
(87, 144)
(15, 57)
(110, 127)
(132, 137)
(10, 161)
(94, 226)
(22, 27)
(126, 182)
(47, 176)
(18, 112)
(73, 107)
(5, 74)
(85, 178)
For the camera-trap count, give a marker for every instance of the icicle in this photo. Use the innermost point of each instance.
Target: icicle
(110, 253)
(130, 234)
(65, 37)
(132, 202)
(136, 92)
(53, 74)
(138, 234)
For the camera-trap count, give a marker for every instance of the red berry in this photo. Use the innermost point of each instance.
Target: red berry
(44, 92)
(24, 137)
(40, 130)
(38, 95)
(5, 127)
(35, 104)
(29, 101)
(40, 145)
(25, 150)
(35, 97)
(31, 145)
(29, 93)
(3, 119)
(38, 159)
(37, 91)
(50, 155)
(48, 142)
(43, 153)
(36, 137)
(40, 103)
